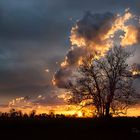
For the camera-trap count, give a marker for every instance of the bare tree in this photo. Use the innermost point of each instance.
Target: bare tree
(105, 83)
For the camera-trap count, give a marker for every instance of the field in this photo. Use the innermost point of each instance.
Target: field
(70, 128)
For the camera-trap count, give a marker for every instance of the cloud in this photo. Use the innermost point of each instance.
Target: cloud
(91, 26)
(96, 33)
(45, 99)
(34, 35)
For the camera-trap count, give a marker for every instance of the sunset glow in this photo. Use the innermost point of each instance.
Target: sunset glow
(87, 37)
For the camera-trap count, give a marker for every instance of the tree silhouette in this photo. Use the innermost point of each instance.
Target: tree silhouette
(105, 83)
(32, 113)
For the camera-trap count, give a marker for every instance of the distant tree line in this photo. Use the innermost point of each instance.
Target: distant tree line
(18, 114)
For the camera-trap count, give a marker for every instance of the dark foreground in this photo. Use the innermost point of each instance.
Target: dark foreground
(70, 128)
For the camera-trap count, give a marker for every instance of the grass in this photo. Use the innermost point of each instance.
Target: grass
(70, 128)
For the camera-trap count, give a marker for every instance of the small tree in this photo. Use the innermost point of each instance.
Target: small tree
(105, 83)
(32, 113)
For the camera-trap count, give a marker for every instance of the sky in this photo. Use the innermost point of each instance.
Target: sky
(34, 36)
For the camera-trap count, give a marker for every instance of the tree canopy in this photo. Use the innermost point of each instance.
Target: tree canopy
(106, 83)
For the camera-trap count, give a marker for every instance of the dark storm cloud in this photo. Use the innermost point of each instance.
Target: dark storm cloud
(91, 27)
(30, 20)
(62, 76)
(34, 35)
(74, 54)
(21, 83)
(36, 19)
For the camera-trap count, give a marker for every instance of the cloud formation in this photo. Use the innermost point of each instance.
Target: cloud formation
(34, 35)
(96, 34)
(27, 102)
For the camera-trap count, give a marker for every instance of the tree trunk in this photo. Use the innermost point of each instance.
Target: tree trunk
(107, 114)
